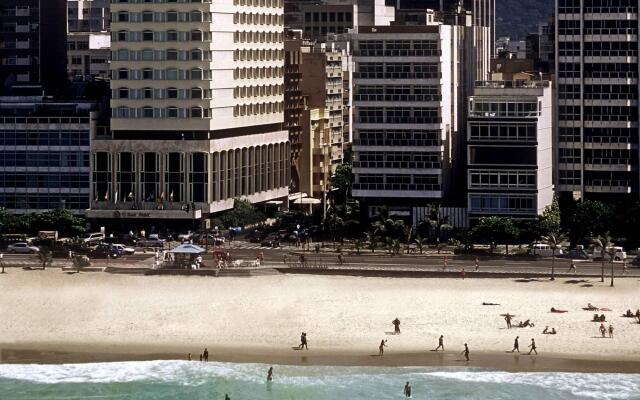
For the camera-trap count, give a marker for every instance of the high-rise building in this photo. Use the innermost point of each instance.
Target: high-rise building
(197, 110)
(409, 102)
(509, 144)
(597, 98)
(44, 161)
(89, 15)
(88, 40)
(33, 52)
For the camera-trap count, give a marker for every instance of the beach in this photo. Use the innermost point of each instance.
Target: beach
(52, 316)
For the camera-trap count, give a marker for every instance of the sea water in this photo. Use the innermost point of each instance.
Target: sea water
(197, 380)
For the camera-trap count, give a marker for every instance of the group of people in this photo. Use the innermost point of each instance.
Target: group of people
(630, 314)
(204, 356)
(532, 347)
(604, 330)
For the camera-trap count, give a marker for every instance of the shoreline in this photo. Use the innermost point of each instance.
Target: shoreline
(50, 353)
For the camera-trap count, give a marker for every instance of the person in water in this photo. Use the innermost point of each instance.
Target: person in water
(205, 355)
(407, 390)
(270, 375)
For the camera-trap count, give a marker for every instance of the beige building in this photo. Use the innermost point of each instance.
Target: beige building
(88, 55)
(197, 110)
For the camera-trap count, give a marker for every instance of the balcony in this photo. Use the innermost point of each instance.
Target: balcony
(609, 164)
(397, 53)
(398, 164)
(395, 97)
(397, 75)
(608, 186)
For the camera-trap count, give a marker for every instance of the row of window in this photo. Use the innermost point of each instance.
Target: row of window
(479, 179)
(599, 27)
(502, 132)
(257, 37)
(157, 112)
(37, 201)
(44, 138)
(170, 74)
(328, 16)
(599, 135)
(397, 182)
(397, 115)
(241, 110)
(159, 1)
(501, 203)
(258, 55)
(397, 70)
(44, 180)
(161, 36)
(503, 109)
(260, 90)
(258, 19)
(161, 93)
(258, 72)
(44, 159)
(161, 55)
(599, 70)
(259, 3)
(165, 16)
(599, 113)
(251, 3)
(384, 137)
(600, 92)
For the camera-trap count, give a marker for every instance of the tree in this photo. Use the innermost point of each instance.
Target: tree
(81, 262)
(420, 243)
(244, 213)
(342, 180)
(357, 244)
(45, 257)
(590, 219)
(372, 241)
(549, 222)
(60, 220)
(437, 220)
(496, 230)
(603, 243)
(554, 241)
(395, 246)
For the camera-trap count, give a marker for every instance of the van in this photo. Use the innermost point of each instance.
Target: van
(543, 250)
(618, 253)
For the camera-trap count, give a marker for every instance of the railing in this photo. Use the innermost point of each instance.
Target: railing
(395, 142)
(512, 84)
(397, 164)
(397, 186)
(399, 120)
(611, 74)
(397, 75)
(607, 161)
(617, 183)
(397, 97)
(397, 53)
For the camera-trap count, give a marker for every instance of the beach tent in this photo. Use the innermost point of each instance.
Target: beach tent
(185, 256)
(187, 248)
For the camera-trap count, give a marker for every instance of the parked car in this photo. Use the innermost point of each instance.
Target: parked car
(150, 243)
(124, 250)
(543, 250)
(184, 237)
(104, 251)
(256, 236)
(576, 254)
(22, 248)
(618, 254)
(94, 238)
(125, 239)
(271, 241)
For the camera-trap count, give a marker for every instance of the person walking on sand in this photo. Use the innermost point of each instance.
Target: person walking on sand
(205, 355)
(603, 330)
(572, 267)
(610, 331)
(407, 390)
(533, 347)
(624, 267)
(462, 274)
(383, 344)
(396, 326)
(508, 319)
(440, 343)
(270, 374)
(303, 341)
(445, 263)
(477, 264)
(516, 345)
(466, 352)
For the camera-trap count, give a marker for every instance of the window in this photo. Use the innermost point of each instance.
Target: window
(172, 74)
(196, 16)
(172, 112)
(147, 112)
(172, 16)
(196, 112)
(196, 36)
(196, 54)
(196, 73)
(122, 36)
(196, 93)
(123, 93)
(147, 73)
(172, 54)
(147, 93)
(172, 36)
(147, 36)
(147, 55)
(147, 16)
(123, 16)
(172, 93)
(123, 73)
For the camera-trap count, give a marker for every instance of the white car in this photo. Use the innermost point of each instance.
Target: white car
(22, 248)
(94, 238)
(124, 250)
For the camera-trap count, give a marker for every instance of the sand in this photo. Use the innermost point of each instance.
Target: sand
(99, 316)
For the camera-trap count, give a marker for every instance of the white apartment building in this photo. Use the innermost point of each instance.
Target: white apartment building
(509, 149)
(197, 109)
(408, 110)
(597, 104)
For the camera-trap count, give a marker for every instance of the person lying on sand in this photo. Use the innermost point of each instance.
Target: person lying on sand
(548, 331)
(628, 314)
(555, 310)
(591, 307)
(489, 304)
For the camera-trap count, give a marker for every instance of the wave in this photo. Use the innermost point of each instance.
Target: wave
(325, 379)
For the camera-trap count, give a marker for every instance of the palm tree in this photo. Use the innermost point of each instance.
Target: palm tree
(603, 243)
(420, 243)
(373, 242)
(612, 253)
(357, 244)
(45, 258)
(554, 241)
(395, 245)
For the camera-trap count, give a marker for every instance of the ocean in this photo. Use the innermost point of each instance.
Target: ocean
(178, 380)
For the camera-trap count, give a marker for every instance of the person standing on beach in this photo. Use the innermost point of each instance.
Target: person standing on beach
(610, 331)
(603, 330)
(533, 347)
(516, 345)
(407, 390)
(200, 357)
(462, 274)
(445, 263)
(270, 374)
(383, 344)
(205, 355)
(189, 356)
(396, 326)
(508, 319)
(466, 352)
(477, 264)
(440, 343)
(572, 267)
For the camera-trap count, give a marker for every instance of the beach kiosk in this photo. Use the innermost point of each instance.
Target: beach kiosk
(185, 256)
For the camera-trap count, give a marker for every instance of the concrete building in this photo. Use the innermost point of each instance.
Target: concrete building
(409, 102)
(509, 144)
(319, 18)
(597, 104)
(88, 15)
(89, 55)
(197, 110)
(33, 52)
(44, 148)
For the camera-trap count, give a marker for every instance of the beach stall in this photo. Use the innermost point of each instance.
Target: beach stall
(185, 256)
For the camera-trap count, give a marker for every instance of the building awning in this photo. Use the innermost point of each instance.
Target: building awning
(294, 196)
(307, 200)
(187, 249)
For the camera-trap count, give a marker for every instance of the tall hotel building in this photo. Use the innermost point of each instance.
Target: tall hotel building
(197, 109)
(597, 104)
